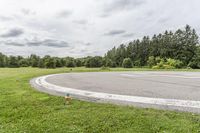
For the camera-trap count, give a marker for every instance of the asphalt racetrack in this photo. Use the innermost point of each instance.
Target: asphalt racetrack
(164, 90)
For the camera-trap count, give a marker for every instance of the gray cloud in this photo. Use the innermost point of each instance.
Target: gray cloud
(81, 21)
(15, 32)
(128, 35)
(115, 32)
(83, 43)
(64, 14)
(5, 18)
(163, 20)
(49, 43)
(89, 52)
(104, 15)
(83, 50)
(88, 44)
(120, 5)
(35, 42)
(12, 43)
(27, 12)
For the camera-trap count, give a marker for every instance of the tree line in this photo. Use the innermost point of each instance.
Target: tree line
(179, 49)
(49, 62)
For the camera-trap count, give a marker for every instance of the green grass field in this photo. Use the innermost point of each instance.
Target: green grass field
(23, 109)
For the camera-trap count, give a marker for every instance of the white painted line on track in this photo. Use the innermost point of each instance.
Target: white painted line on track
(160, 75)
(41, 81)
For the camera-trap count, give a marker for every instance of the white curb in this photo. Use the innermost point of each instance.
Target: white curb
(115, 97)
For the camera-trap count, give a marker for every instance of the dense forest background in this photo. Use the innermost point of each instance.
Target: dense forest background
(179, 49)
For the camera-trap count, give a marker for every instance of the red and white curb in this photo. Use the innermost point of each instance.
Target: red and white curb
(41, 81)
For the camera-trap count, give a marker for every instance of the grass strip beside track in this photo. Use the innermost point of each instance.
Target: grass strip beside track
(23, 109)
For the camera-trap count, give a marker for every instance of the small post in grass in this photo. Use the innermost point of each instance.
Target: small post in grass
(67, 98)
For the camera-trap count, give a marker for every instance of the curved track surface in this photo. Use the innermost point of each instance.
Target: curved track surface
(165, 90)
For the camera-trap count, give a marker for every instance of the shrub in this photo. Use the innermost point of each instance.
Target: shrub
(127, 63)
(50, 63)
(161, 64)
(158, 59)
(151, 61)
(105, 68)
(195, 62)
(155, 67)
(168, 67)
(194, 65)
(78, 62)
(174, 63)
(12, 62)
(109, 63)
(41, 63)
(23, 63)
(137, 63)
(168, 64)
(70, 63)
(95, 61)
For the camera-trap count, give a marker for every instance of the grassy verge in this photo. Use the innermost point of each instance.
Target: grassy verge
(23, 109)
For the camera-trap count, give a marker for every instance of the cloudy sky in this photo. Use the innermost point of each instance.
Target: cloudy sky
(87, 27)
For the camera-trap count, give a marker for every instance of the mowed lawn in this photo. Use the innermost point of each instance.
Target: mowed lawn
(23, 109)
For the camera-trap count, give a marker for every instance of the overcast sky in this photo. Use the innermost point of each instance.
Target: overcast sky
(87, 27)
